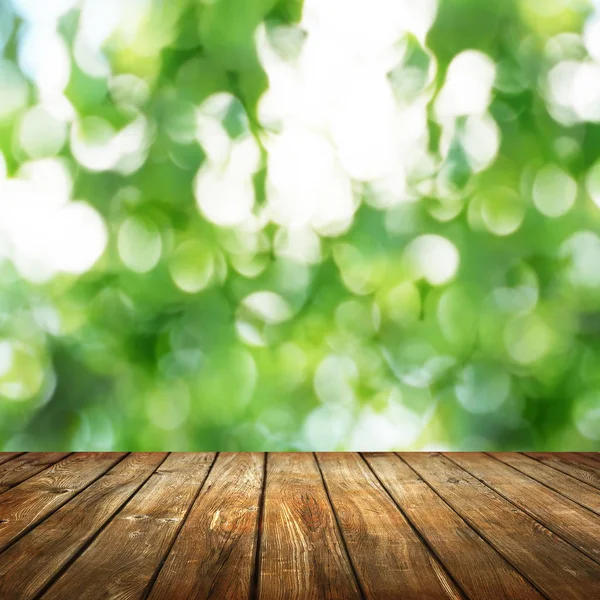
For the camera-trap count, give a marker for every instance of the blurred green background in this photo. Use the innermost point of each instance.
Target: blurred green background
(276, 225)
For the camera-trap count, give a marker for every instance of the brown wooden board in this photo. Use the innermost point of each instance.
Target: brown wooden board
(388, 556)
(27, 504)
(569, 487)
(302, 552)
(25, 466)
(300, 526)
(6, 456)
(593, 455)
(474, 564)
(214, 555)
(559, 514)
(572, 465)
(554, 566)
(132, 546)
(32, 562)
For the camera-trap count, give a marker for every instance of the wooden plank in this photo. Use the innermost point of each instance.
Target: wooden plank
(214, 555)
(302, 554)
(388, 556)
(583, 458)
(555, 567)
(593, 455)
(6, 456)
(568, 463)
(32, 562)
(19, 469)
(568, 486)
(559, 514)
(475, 565)
(28, 503)
(122, 560)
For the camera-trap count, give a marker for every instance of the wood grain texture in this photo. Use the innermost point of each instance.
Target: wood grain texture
(6, 456)
(569, 487)
(27, 504)
(556, 568)
(474, 564)
(214, 554)
(302, 553)
(572, 465)
(300, 526)
(580, 458)
(133, 544)
(552, 510)
(593, 455)
(378, 537)
(25, 466)
(30, 564)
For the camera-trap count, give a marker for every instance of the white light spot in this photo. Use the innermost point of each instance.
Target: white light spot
(306, 184)
(192, 266)
(13, 90)
(481, 141)
(268, 306)
(225, 197)
(527, 338)
(40, 133)
(90, 59)
(168, 406)
(554, 191)
(127, 90)
(334, 379)
(22, 375)
(586, 414)
(78, 238)
(591, 37)
(6, 357)
(592, 183)
(302, 245)
(44, 58)
(394, 428)
(502, 211)
(364, 129)
(403, 304)
(92, 144)
(468, 85)
(42, 10)
(560, 83)
(432, 257)
(250, 333)
(586, 92)
(583, 250)
(51, 175)
(139, 244)
(326, 427)
(482, 388)
(362, 270)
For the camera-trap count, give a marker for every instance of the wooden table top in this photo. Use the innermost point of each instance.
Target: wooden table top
(295, 525)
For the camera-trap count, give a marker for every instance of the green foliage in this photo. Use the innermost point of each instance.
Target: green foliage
(258, 225)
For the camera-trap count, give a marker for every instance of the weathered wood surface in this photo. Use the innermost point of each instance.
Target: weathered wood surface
(122, 561)
(552, 564)
(300, 538)
(25, 466)
(214, 554)
(478, 568)
(299, 526)
(378, 536)
(34, 560)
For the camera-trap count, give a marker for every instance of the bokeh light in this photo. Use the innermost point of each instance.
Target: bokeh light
(320, 225)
